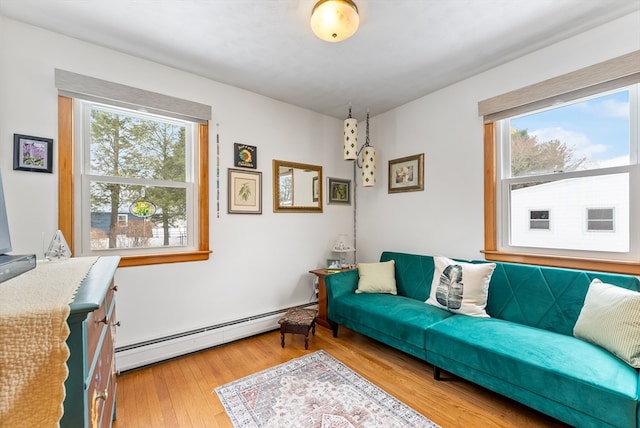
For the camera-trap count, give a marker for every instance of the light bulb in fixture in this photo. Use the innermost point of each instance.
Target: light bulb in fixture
(334, 20)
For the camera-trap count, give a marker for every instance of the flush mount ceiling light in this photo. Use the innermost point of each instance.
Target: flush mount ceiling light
(334, 20)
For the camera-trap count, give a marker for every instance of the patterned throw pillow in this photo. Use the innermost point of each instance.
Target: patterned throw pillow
(610, 318)
(377, 277)
(461, 287)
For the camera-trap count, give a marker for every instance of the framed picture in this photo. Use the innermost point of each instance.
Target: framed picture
(245, 192)
(406, 174)
(334, 264)
(339, 191)
(33, 154)
(245, 156)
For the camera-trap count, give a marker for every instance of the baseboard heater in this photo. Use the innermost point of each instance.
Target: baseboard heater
(140, 354)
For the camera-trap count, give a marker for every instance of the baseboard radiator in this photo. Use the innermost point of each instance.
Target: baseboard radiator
(152, 351)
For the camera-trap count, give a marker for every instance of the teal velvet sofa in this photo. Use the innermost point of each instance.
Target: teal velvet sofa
(525, 350)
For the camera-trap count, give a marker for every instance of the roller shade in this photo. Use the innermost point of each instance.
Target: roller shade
(91, 89)
(608, 75)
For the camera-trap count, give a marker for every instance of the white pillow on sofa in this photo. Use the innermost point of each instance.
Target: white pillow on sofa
(461, 287)
(610, 318)
(377, 277)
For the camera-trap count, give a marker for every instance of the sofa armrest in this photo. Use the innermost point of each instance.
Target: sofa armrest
(341, 283)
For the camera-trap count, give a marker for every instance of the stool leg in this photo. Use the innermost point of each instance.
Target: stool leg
(282, 336)
(306, 340)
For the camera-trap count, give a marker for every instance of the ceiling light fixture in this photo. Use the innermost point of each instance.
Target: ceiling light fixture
(334, 20)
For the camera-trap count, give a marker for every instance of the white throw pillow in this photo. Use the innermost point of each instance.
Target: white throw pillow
(610, 318)
(377, 277)
(461, 287)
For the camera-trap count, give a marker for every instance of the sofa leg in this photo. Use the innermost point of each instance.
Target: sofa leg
(334, 328)
(436, 373)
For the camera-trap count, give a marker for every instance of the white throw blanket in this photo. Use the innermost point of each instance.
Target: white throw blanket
(34, 308)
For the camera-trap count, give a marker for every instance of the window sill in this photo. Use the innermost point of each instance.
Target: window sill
(601, 265)
(154, 259)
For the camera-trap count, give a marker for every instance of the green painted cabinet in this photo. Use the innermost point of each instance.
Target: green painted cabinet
(91, 384)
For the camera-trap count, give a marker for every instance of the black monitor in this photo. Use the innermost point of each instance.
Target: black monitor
(10, 265)
(5, 237)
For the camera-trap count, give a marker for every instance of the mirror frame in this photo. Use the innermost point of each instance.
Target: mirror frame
(276, 187)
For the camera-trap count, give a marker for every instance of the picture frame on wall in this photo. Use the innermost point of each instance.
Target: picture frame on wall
(244, 192)
(245, 156)
(34, 154)
(406, 174)
(339, 191)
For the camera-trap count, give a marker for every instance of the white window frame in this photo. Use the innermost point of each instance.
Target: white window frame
(534, 221)
(82, 232)
(504, 181)
(612, 220)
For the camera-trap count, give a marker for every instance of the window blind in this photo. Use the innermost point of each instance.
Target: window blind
(91, 89)
(608, 75)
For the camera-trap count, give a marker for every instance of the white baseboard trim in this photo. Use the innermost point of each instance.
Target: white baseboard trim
(135, 356)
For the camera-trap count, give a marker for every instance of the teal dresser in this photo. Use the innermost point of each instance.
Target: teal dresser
(91, 384)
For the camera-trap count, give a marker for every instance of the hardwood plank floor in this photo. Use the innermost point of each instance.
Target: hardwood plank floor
(179, 393)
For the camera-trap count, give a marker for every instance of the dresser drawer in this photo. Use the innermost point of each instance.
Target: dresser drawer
(101, 387)
(97, 321)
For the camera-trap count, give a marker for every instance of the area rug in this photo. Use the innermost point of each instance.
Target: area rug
(314, 391)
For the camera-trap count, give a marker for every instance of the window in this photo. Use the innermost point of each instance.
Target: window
(539, 220)
(122, 220)
(570, 157)
(600, 219)
(568, 145)
(139, 185)
(138, 167)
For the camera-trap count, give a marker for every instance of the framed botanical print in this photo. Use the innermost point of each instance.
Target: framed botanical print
(245, 192)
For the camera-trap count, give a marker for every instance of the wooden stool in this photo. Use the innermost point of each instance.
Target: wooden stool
(298, 321)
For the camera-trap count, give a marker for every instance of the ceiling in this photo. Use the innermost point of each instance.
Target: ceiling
(403, 50)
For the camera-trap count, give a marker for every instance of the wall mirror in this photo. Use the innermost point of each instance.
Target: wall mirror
(297, 187)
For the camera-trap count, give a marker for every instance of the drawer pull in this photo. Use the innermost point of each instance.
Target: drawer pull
(114, 288)
(102, 395)
(116, 324)
(104, 320)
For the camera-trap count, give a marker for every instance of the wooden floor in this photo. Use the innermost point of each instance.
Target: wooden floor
(179, 393)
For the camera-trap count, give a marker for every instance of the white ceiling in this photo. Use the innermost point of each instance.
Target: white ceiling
(404, 49)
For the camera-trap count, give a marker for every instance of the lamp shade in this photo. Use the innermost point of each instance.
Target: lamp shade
(334, 20)
(342, 246)
(368, 167)
(350, 143)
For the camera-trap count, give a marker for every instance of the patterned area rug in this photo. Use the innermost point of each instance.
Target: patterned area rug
(314, 391)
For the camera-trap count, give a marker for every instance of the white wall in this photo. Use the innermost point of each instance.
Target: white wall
(447, 218)
(259, 264)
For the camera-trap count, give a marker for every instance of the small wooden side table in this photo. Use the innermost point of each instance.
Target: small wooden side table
(322, 318)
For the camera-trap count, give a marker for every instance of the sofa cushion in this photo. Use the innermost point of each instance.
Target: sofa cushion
(460, 287)
(610, 318)
(377, 278)
(402, 317)
(544, 297)
(413, 274)
(560, 368)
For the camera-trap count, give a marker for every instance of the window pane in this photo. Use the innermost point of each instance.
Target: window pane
(600, 219)
(133, 216)
(569, 200)
(126, 145)
(585, 135)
